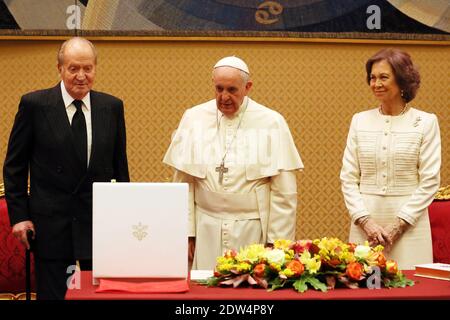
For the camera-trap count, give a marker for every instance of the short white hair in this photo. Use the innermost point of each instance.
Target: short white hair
(69, 41)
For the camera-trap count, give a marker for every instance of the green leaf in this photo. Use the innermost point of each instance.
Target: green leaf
(409, 282)
(300, 285)
(317, 284)
(275, 284)
(398, 282)
(211, 281)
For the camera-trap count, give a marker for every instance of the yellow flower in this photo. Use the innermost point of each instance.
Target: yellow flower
(287, 272)
(347, 257)
(332, 248)
(305, 256)
(312, 264)
(225, 268)
(275, 266)
(243, 267)
(378, 248)
(282, 244)
(224, 260)
(290, 254)
(252, 253)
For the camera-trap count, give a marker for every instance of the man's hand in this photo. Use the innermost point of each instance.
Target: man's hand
(375, 233)
(395, 231)
(20, 229)
(191, 249)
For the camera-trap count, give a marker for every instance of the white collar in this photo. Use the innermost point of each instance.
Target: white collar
(68, 99)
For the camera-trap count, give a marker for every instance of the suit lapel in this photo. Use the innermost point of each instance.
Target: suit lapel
(100, 118)
(56, 114)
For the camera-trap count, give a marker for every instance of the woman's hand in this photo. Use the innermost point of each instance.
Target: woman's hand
(395, 231)
(375, 233)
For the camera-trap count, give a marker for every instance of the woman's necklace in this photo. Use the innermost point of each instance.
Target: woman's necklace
(405, 107)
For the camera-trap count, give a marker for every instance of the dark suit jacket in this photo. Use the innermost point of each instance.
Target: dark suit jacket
(60, 198)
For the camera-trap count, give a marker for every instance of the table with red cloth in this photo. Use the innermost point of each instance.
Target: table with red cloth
(424, 288)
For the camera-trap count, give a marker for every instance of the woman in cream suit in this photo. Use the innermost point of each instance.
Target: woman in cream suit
(391, 164)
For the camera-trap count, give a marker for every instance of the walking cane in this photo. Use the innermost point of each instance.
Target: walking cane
(28, 265)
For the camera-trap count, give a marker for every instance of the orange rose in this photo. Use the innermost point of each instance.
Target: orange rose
(391, 267)
(352, 247)
(354, 271)
(332, 262)
(296, 266)
(381, 260)
(259, 270)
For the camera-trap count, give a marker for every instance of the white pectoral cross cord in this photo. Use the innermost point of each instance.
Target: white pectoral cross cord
(221, 170)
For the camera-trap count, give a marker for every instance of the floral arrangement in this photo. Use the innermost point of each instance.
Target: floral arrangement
(322, 264)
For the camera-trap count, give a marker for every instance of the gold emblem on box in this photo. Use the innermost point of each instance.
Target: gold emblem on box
(140, 231)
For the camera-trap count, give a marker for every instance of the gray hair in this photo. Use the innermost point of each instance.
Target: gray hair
(69, 41)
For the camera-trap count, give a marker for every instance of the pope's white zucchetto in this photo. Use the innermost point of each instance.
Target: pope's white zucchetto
(233, 62)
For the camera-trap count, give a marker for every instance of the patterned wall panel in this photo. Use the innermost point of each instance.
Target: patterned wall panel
(316, 86)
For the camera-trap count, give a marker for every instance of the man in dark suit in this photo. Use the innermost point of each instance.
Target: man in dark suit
(64, 139)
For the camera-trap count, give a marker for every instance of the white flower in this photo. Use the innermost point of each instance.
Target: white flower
(275, 256)
(362, 251)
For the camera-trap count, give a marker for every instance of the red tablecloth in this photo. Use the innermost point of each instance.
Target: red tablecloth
(424, 288)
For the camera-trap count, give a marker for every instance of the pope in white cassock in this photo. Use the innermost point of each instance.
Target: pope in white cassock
(240, 160)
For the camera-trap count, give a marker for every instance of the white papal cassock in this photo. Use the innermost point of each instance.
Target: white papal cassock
(256, 200)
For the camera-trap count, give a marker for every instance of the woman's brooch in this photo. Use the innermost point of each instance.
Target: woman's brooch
(416, 123)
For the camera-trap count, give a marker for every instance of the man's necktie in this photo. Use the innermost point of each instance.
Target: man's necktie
(79, 132)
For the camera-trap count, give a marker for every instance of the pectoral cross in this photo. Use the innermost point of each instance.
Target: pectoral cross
(221, 170)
